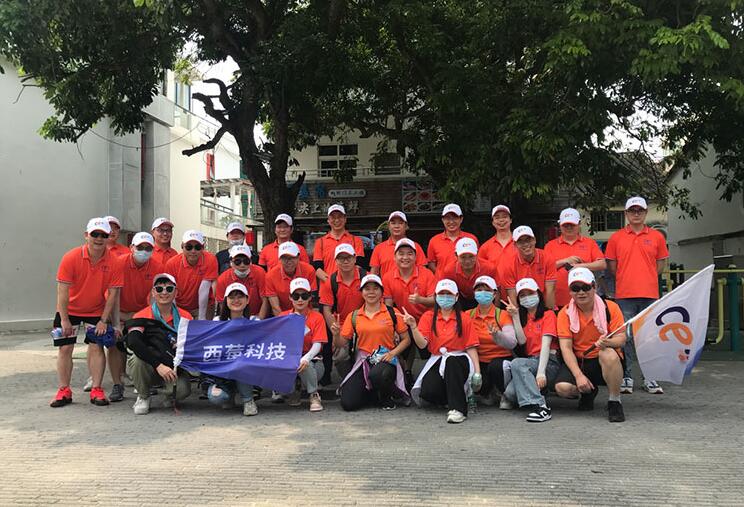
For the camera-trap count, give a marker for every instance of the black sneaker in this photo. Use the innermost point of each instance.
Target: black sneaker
(586, 402)
(538, 414)
(408, 380)
(388, 404)
(615, 409)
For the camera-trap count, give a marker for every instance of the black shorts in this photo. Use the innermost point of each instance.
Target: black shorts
(76, 321)
(590, 367)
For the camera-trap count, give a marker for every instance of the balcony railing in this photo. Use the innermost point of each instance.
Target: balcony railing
(357, 172)
(217, 215)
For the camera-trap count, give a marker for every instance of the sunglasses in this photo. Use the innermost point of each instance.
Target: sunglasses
(167, 288)
(581, 287)
(190, 247)
(144, 248)
(96, 234)
(240, 261)
(296, 296)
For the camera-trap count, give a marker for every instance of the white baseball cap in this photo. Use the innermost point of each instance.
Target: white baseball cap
(485, 280)
(299, 283)
(446, 285)
(398, 214)
(283, 217)
(336, 207)
(192, 235)
(500, 207)
(527, 283)
(160, 221)
(452, 208)
(112, 220)
(636, 201)
(289, 248)
(235, 226)
(236, 286)
(98, 224)
(240, 250)
(580, 275)
(569, 216)
(344, 248)
(405, 242)
(159, 277)
(370, 278)
(465, 246)
(522, 230)
(143, 237)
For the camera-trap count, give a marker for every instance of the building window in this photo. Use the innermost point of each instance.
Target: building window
(608, 220)
(386, 163)
(183, 95)
(332, 157)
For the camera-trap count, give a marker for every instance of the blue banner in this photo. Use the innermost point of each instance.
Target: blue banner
(264, 353)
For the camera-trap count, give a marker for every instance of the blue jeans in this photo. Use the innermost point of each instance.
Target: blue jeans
(523, 386)
(245, 391)
(630, 308)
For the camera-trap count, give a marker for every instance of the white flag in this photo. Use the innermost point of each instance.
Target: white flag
(669, 335)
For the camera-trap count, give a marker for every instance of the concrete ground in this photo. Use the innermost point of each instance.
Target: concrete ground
(680, 448)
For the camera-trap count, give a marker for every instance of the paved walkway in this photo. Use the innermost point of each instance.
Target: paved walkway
(684, 447)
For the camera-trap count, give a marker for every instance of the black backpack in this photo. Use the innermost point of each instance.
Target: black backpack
(334, 287)
(353, 343)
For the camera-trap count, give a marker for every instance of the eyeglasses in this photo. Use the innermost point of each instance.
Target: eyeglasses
(164, 231)
(581, 287)
(96, 234)
(240, 261)
(190, 247)
(296, 296)
(167, 288)
(145, 248)
(635, 211)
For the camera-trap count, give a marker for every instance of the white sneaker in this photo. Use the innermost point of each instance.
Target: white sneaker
(627, 386)
(652, 387)
(505, 404)
(88, 385)
(250, 408)
(141, 406)
(455, 417)
(315, 404)
(277, 397)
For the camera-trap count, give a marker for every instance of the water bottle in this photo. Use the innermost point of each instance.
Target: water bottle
(57, 333)
(472, 404)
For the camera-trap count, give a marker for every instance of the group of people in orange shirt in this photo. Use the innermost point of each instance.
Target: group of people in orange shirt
(500, 323)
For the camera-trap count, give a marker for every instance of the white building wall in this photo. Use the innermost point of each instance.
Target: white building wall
(50, 191)
(308, 156)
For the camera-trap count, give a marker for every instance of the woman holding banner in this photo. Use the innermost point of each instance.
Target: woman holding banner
(222, 391)
(380, 335)
(311, 364)
(453, 368)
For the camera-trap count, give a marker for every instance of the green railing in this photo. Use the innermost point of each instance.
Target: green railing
(728, 283)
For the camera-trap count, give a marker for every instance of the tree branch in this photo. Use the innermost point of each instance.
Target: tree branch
(208, 145)
(225, 99)
(258, 12)
(209, 108)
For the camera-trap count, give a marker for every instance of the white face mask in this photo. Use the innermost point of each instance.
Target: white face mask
(530, 301)
(236, 242)
(142, 256)
(241, 274)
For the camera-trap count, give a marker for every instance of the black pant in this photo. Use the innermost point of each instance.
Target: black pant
(493, 375)
(327, 351)
(450, 389)
(354, 392)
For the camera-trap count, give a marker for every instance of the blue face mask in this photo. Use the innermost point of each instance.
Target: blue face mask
(446, 301)
(483, 297)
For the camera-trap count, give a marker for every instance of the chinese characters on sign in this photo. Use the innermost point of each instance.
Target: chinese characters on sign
(268, 352)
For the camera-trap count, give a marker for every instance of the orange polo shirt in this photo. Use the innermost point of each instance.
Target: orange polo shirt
(348, 298)
(535, 329)
(584, 248)
(447, 336)
(269, 256)
(135, 294)
(162, 256)
(189, 278)
(383, 256)
(146, 313)
(277, 282)
(442, 249)
(636, 256)
(488, 350)
(422, 281)
(325, 249)
(492, 251)
(513, 269)
(255, 282)
(464, 282)
(588, 334)
(315, 329)
(119, 250)
(374, 331)
(88, 282)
